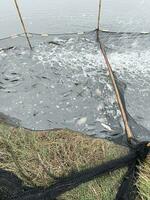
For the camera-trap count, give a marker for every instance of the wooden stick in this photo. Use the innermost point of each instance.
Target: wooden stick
(99, 14)
(129, 133)
(118, 97)
(22, 22)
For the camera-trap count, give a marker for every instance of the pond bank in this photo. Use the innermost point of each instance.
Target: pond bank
(36, 156)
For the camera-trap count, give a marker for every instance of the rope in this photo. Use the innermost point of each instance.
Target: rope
(135, 34)
(22, 22)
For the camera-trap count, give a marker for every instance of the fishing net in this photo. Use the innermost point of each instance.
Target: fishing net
(62, 88)
(65, 83)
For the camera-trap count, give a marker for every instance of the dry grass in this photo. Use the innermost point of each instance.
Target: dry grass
(38, 156)
(144, 180)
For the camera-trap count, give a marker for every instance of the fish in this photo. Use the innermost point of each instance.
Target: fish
(82, 121)
(106, 127)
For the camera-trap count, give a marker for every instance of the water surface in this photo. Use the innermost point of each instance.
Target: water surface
(65, 84)
(60, 16)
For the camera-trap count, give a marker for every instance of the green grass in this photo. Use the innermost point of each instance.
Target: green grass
(38, 156)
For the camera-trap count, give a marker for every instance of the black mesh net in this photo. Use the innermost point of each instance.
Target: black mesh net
(63, 83)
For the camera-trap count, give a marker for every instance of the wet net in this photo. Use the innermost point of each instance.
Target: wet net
(52, 96)
(64, 83)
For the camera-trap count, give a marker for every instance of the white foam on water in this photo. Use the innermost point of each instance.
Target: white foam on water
(133, 67)
(56, 84)
(62, 85)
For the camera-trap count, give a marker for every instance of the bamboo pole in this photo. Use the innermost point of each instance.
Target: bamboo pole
(129, 132)
(99, 15)
(22, 22)
(117, 93)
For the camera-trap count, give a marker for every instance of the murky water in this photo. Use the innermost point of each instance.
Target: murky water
(65, 84)
(58, 86)
(61, 16)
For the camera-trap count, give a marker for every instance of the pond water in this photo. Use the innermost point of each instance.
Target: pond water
(64, 83)
(61, 16)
